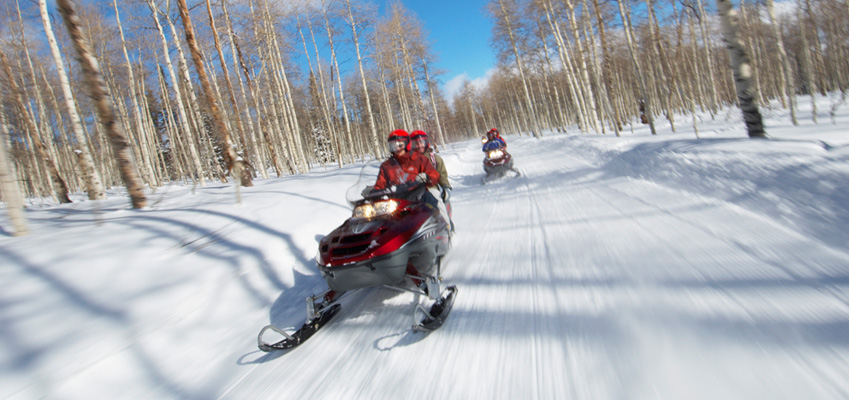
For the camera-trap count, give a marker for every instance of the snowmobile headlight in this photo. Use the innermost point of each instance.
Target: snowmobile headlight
(376, 209)
(495, 154)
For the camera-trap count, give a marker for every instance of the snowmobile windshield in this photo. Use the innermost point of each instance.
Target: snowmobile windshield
(363, 190)
(365, 182)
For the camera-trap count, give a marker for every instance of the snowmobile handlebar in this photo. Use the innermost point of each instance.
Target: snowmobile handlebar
(407, 190)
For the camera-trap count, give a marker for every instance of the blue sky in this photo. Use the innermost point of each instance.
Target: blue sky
(459, 32)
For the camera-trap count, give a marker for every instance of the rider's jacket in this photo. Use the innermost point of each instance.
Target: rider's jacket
(494, 144)
(402, 169)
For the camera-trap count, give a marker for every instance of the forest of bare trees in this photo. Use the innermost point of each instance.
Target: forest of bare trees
(215, 90)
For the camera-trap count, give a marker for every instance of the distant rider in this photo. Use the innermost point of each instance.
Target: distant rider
(498, 137)
(493, 141)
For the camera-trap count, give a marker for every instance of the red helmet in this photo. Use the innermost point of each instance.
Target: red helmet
(396, 139)
(493, 130)
(418, 138)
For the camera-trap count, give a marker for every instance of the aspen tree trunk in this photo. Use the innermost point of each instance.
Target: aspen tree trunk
(386, 100)
(179, 156)
(233, 163)
(335, 64)
(68, 151)
(60, 188)
(701, 97)
(567, 65)
(823, 82)
(296, 149)
(230, 91)
(549, 71)
(589, 93)
(153, 136)
(137, 111)
(789, 83)
(742, 69)
(608, 79)
(8, 185)
(94, 184)
(681, 62)
(533, 117)
(325, 107)
(370, 115)
(411, 78)
(667, 86)
(270, 132)
(236, 55)
(806, 60)
(198, 176)
(38, 120)
(65, 155)
(406, 115)
(439, 134)
(98, 92)
(472, 115)
(600, 91)
(199, 134)
(708, 59)
(629, 37)
(753, 47)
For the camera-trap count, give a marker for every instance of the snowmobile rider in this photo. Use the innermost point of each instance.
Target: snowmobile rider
(421, 145)
(493, 141)
(404, 166)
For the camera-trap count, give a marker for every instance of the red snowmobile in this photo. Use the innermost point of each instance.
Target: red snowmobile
(393, 239)
(497, 162)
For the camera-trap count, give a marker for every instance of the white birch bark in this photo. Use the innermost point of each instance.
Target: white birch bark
(789, 82)
(236, 56)
(94, 184)
(637, 68)
(97, 90)
(742, 69)
(8, 185)
(60, 187)
(198, 176)
(370, 117)
(533, 117)
(806, 60)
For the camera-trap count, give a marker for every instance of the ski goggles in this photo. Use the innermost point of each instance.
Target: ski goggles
(396, 144)
(420, 141)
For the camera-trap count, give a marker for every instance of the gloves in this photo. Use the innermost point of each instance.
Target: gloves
(422, 178)
(446, 194)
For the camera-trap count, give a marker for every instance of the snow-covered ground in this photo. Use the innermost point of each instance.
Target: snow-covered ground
(626, 267)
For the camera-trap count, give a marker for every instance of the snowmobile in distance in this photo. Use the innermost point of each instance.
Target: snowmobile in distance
(394, 240)
(497, 162)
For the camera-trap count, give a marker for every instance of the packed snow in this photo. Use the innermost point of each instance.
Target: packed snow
(669, 266)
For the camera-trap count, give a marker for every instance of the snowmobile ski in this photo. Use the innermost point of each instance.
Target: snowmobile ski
(301, 335)
(435, 317)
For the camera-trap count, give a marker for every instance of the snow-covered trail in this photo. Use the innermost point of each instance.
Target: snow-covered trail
(580, 283)
(634, 267)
